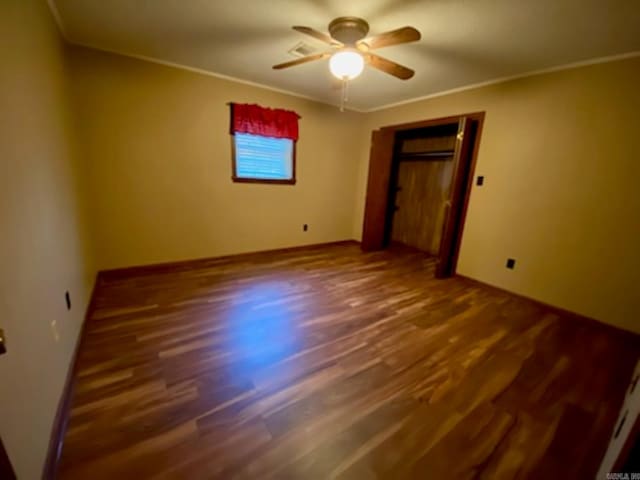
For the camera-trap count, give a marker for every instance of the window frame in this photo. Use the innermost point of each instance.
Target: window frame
(272, 181)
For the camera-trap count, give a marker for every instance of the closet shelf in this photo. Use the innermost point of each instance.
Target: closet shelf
(421, 155)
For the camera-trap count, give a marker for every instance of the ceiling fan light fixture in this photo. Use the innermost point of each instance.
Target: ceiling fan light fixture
(346, 64)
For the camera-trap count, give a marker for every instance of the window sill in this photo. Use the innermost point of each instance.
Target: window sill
(290, 181)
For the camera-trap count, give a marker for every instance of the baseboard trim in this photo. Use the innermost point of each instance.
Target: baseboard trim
(116, 273)
(61, 419)
(567, 314)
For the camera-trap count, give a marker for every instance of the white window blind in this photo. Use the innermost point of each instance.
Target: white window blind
(263, 158)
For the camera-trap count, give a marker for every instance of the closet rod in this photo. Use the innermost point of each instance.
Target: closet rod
(442, 153)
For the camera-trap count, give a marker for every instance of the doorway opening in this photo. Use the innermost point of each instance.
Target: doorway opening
(420, 177)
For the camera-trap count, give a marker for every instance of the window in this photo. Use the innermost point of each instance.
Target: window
(263, 159)
(263, 144)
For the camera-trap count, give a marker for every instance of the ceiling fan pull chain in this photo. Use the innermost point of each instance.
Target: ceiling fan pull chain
(345, 93)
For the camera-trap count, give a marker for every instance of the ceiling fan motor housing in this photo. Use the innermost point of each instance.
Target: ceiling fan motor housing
(348, 30)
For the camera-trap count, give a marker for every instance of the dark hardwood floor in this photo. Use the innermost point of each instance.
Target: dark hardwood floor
(330, 363)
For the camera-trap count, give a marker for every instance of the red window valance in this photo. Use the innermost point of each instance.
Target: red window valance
(268, 122)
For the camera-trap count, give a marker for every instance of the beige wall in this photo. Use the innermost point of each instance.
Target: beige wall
(158, 157)
(561, 158)
(42, 247)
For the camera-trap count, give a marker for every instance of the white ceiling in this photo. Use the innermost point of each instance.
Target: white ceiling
(464, 42)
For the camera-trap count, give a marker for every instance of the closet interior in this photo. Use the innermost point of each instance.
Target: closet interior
(421, 180)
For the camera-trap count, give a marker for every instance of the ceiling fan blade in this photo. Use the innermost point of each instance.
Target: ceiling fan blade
(318, 35)
(394, 37)
(387, 66)
(300, 61)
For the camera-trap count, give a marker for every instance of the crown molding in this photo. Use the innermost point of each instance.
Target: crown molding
(568, 66)
(209, 73)
(64, 32)
(53, 8)
(495, 81)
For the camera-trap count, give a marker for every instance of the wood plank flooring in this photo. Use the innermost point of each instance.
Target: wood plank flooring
(330, 363)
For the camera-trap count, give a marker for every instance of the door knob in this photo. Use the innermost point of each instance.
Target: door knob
(3, 345)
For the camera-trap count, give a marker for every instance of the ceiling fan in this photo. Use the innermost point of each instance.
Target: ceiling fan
(352, 49)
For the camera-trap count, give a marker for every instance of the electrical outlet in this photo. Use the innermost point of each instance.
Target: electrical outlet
(305, 227)
(511, 263)
(54, 330)
(67, 299)
(480, 180)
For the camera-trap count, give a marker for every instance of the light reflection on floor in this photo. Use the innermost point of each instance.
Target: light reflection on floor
(261, 327)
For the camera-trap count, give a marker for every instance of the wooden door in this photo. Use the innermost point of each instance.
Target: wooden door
(423, 190)
(453, 207)
(382, 142)
(6, 470)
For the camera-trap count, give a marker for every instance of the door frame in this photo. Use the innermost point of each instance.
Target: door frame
(6, 469)
(379, 188)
